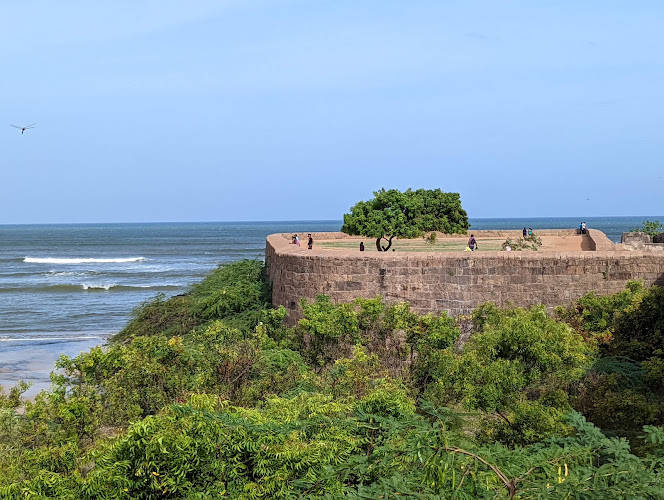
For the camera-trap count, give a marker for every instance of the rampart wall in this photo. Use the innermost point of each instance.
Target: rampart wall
(455, 282)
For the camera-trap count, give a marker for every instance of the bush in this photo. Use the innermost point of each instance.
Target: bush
(515, 369)
(395, 333)
(236, 292)
(210, 395)
(531, 242)
(630, 323)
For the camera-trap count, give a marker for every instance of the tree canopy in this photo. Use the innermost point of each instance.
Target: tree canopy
(408, 214)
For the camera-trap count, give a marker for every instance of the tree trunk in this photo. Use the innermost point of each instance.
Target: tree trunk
(378, 247)
(389, 244)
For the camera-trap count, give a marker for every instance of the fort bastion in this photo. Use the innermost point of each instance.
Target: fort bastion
(455, 281)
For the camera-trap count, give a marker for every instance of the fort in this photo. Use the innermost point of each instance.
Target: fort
(456, 281)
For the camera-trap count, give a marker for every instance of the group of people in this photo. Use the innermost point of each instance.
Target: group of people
(472, 242)
(310, 241)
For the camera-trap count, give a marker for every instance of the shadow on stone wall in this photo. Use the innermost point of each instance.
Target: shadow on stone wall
(660, 281)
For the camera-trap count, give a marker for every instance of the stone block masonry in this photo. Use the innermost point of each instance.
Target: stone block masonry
(456, 282)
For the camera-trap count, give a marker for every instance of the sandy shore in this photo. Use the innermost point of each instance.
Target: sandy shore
(33, 362)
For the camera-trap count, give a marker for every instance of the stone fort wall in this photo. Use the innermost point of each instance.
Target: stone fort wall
(455, 282)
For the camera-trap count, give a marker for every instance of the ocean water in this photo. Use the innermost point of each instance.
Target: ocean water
(65, 288)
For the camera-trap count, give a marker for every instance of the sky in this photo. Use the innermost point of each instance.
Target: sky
(164, 110)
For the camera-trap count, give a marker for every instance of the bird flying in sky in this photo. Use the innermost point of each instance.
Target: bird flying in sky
(23, 129)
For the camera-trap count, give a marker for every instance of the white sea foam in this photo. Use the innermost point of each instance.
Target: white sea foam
(98, 286)
(55, 336)
(55, 260)
(67, 273)
(46, 339)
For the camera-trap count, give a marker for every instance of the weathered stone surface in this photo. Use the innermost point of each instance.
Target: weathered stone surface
(635, 240)
(455, 282)
(598, 241)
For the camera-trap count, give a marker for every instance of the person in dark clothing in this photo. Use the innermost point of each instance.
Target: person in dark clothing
(525, 232)
(472, 243)
(361, 246)
(310, 241)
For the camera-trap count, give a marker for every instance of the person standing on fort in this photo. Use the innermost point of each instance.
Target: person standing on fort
(583, 228)
(472, 243)
(310, 241)
(296, 240)
(525, 233)
(361, 246)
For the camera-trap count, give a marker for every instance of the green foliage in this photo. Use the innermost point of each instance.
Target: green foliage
(515, 370)
(651, 228)
(639, 330)
(593, 315)
(615, 397)
(312, 446)
(138, 378)
(328, 332)
(355, 376)
(631, 323)
(325, 324)
(160, 316)
(99, 392)
(209, 395)
(288, 446)
(13, 399)
(623, 390)
(409, 214)
(237, 292)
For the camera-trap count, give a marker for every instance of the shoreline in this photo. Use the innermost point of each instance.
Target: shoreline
(33, 362)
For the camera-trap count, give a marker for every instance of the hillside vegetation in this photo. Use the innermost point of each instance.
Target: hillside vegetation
(209, 395)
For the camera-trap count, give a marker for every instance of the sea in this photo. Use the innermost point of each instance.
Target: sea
(65, 288)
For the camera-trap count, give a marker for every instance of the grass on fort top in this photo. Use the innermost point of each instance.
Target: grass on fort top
(419, 245)
(456, 244)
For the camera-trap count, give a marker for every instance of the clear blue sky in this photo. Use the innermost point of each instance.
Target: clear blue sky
(279, 110)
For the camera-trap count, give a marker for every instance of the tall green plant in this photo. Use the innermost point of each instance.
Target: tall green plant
(515, 369)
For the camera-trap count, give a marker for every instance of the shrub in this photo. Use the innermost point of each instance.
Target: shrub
(514, 369)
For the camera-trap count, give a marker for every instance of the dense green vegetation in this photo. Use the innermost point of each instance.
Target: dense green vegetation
(406, 214)
(209, 395)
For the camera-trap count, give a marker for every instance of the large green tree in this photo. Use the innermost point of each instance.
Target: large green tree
(408, 214)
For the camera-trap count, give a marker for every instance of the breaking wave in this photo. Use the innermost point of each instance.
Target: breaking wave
(55, 260)
(53, 337)
(90, 287)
